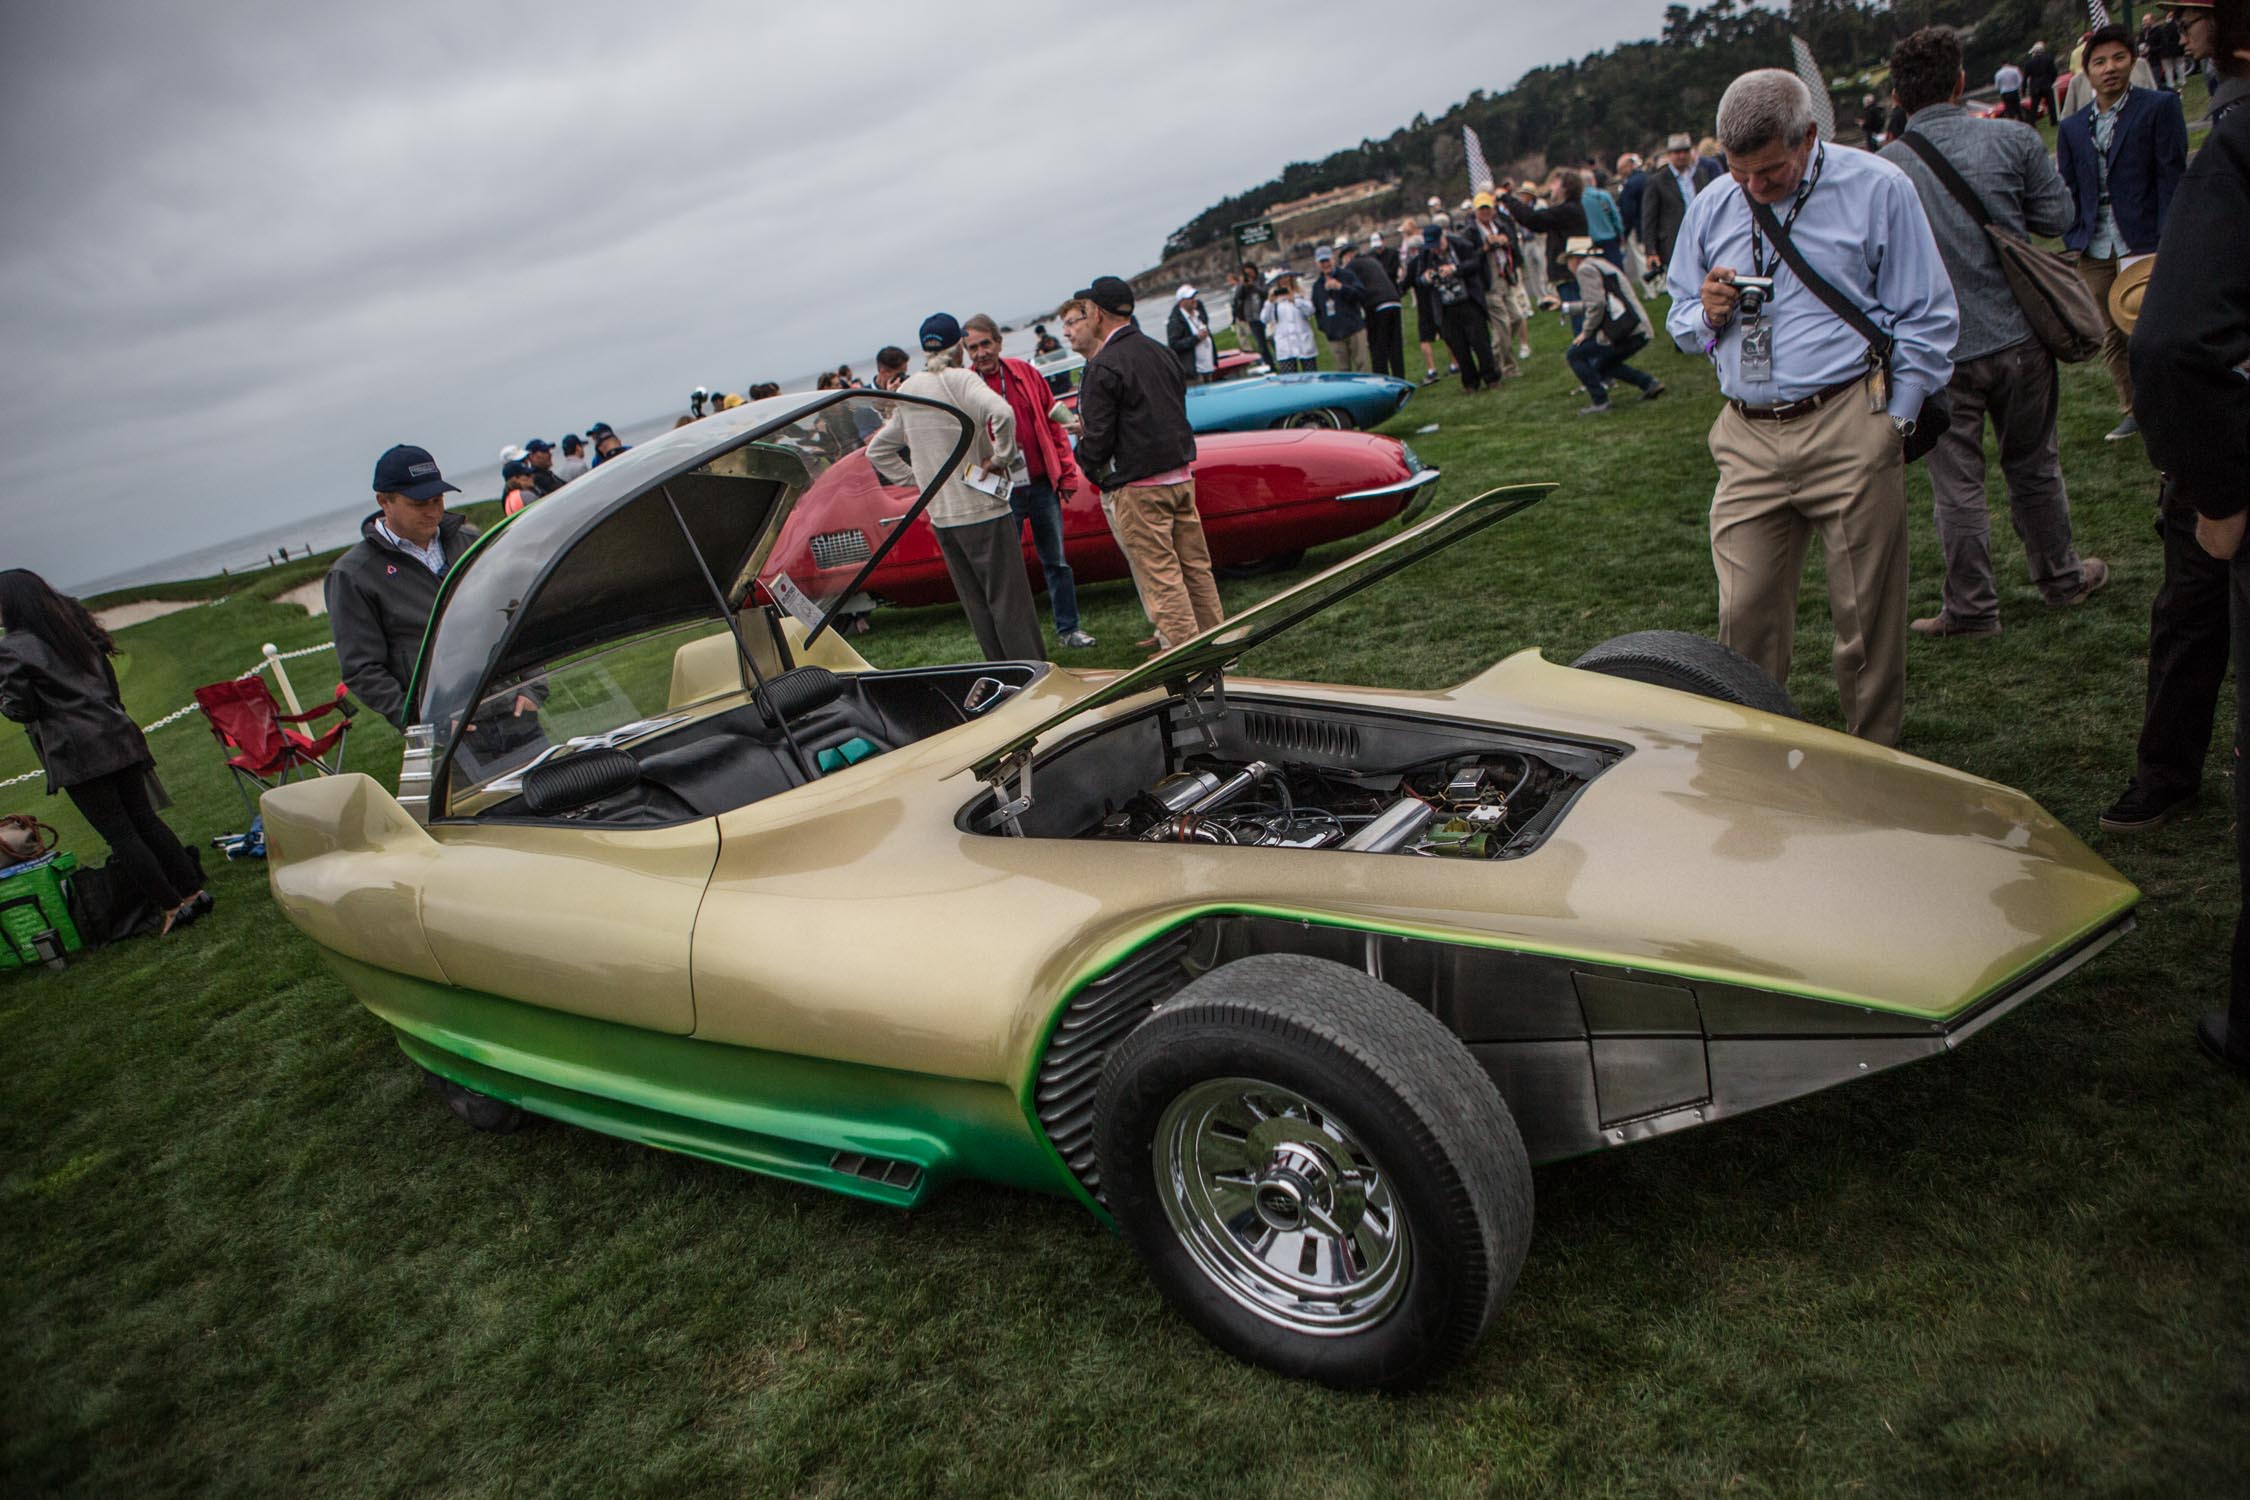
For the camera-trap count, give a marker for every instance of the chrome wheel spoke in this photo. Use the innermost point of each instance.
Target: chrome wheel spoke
(1281, 1206)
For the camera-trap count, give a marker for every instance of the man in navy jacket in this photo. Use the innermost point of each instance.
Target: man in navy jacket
(2121, 156)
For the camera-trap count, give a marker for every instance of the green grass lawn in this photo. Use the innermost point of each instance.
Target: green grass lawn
(246, 1253)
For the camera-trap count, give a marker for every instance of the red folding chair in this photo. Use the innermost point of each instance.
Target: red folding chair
(254, 734)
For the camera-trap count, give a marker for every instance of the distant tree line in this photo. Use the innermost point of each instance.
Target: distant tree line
(1631, 97)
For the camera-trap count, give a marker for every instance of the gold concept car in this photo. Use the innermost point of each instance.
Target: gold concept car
(1290, 982)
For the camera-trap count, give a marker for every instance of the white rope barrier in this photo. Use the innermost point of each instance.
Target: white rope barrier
(178, 714)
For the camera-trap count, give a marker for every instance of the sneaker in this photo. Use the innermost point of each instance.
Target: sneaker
(2123, 430)
(1598, 409)
(1654, 391)
(1942, 623)
(1523, 351)
(2139, 810)
(2096, 574)
(1077, 639)
(1429, 376)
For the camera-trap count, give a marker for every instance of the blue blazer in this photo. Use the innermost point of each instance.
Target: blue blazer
(2147, 154)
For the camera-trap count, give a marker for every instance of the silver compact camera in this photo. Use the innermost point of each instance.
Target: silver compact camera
(1755, 292)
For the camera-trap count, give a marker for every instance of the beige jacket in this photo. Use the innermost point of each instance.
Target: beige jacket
(926, 437)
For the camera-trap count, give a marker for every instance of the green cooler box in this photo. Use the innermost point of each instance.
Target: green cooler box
(31, 901)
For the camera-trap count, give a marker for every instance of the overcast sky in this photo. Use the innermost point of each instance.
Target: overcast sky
(246, 247)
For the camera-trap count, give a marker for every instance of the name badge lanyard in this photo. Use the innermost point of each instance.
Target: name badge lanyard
(1756, 363)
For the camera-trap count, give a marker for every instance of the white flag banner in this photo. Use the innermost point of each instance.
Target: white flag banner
(2097, 12)
(1480, 175)
(1823, 108)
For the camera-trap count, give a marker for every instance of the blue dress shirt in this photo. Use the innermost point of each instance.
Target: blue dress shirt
(1864, 230)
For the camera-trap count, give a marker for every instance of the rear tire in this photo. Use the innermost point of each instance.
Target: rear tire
(1315, 1172)
(475, 1110)
(1320, 416)
(1692, 664)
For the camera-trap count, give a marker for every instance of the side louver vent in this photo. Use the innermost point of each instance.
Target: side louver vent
(1072, 1069)
(903, 1175)
(838, 549)
(1306, 736)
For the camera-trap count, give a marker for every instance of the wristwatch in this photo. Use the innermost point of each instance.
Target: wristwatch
(1905, 426)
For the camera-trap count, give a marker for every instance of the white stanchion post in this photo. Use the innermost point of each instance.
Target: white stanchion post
(281, 677)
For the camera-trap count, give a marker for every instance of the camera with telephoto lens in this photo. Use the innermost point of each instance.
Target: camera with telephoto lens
(1755, 292)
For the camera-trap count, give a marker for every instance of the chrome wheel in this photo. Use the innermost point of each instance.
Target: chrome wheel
(1321, 416)
(1281, 1206)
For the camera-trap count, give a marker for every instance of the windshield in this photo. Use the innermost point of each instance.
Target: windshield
(570, 625)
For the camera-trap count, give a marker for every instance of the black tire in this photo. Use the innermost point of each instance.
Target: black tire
(1327, 417)
(475, 1110)
(1693, 664)
(1432, 1142)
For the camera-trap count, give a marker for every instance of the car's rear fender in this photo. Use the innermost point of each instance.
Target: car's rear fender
(347, 865)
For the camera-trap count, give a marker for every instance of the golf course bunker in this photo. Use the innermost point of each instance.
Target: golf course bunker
(118, 616)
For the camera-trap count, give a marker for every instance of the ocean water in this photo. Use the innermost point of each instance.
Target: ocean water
(327, 530)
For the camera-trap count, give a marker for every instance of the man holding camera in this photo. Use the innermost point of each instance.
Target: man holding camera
(1811, 436)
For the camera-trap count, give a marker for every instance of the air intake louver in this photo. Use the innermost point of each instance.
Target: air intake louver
(839, 549)
(1101, 1015)
(1305, 736)
(903, 1175)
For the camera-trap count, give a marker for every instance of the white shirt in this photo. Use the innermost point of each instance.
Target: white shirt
(431, 557)
(1290, 318)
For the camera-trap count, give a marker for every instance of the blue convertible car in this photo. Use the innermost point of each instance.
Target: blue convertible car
(1320, 398)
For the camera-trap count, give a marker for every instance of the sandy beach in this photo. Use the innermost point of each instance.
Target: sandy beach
(118, 616)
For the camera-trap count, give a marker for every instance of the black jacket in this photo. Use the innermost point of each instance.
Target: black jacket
(1663, 211)
(1374, 279)
(379, 602)
(1182, 338)
(546, 481)
(1561, 222)
(78, 726)
(2193, 336)
(2039, 71)
(1132, 412)
(1342, 312)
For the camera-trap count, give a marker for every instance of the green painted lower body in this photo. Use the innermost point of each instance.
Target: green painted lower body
(770, 1112)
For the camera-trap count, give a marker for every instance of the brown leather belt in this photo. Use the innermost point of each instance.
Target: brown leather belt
(1801, 408)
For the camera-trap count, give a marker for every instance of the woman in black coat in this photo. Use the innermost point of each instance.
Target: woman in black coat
(55, 680)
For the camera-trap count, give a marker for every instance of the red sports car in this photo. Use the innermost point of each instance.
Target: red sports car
(1264, 496)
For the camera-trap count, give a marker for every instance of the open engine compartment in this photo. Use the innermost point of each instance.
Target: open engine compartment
(1274, 773)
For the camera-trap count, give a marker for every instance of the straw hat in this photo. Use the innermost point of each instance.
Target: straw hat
(2126, 291)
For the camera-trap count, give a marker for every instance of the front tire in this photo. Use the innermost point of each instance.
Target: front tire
(1315, 1172)
(1327, 417)
(1692, 664)
(475, 1110)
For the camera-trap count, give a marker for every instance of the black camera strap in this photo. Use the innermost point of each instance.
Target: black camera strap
(1879, 343)
(1796, 207)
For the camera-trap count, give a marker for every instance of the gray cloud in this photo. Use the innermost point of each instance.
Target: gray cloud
(249, 246)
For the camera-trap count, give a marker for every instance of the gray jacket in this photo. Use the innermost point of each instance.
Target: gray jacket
(2008, 165)
(1598, 281)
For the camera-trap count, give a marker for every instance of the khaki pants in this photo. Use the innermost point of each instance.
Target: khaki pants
(1350, 351)
(1507, 326)
(1163, 540)
(1837, 471)
(2098, 274)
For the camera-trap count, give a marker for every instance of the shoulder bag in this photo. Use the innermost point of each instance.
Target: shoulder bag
(2062, 313)
(24, 838)
(1936, 413)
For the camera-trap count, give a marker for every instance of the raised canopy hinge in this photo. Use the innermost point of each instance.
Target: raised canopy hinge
(1016, 767)
(1203, 704)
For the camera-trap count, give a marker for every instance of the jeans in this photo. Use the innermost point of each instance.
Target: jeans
(1596, 364)
(117, 806)
(1034, 502)
(2016, 387)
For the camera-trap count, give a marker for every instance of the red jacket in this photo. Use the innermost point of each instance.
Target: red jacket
(1031, 399)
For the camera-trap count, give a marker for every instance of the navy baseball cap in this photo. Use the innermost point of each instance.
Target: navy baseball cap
(537, 445)
(597, 430)
(410, 471)
(515, 468)
(570, 441)
(940, 331)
